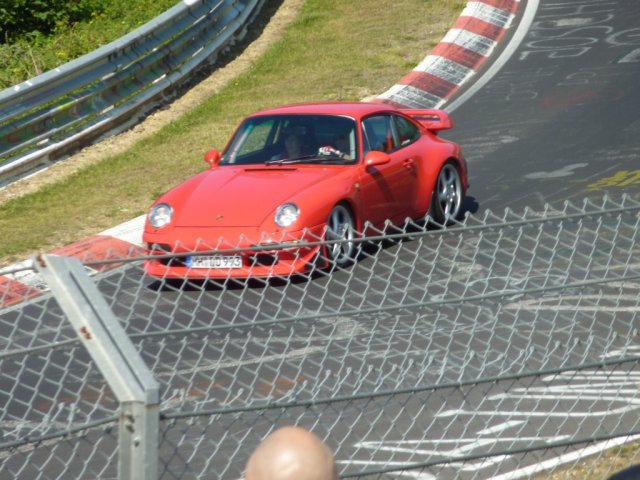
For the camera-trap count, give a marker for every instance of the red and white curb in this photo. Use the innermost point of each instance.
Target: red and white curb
(471, 40)
(20, 282)
(460, 54)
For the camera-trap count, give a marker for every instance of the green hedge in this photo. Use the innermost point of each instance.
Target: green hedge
(21, 18)
(39, 35)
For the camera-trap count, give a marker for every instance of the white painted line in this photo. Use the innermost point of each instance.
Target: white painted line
(500, 428)
(435, 447)
(584, 375)
(482, 464)
(632, 57)
(517, 414)
(301, 352)
(566, 458)
(471, 41)
(411, 97)
(444, 68)
(487, 13)
(631, 350)
(32, 279)
(27, 277)
(626, 285)
(416, 475)
(571, 22)
(468, 444)
(593, 388)
(537, 306)
(397, 445)
(130, 231)
(510, 49)
(572, 308)
(631, 400)
(566, 171)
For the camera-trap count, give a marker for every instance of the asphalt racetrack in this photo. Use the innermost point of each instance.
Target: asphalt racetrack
(559, 121)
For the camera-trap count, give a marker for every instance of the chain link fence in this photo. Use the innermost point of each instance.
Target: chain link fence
(505, 347)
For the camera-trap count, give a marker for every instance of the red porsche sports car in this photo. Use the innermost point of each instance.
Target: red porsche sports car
(296, 184)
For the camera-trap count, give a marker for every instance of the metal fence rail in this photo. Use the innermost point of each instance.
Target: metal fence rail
(508, 347)
(109, 89)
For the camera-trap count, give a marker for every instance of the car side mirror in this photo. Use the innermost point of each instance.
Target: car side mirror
(212, 157)
(375, 158)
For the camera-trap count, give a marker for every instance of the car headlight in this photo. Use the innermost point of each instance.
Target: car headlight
(160, 215)
(287, 214)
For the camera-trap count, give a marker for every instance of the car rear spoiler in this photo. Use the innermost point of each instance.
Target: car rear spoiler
(432, 119)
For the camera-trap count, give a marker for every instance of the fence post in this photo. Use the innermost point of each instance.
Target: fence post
(118, 360)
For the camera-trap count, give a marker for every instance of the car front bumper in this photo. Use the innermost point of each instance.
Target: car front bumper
(180, 255)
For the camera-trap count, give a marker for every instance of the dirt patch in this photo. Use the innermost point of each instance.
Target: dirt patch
(265, 29)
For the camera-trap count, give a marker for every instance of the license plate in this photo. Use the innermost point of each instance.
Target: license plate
(215, 261)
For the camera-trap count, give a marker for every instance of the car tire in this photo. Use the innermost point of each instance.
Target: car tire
(446, 201)
(340, 226)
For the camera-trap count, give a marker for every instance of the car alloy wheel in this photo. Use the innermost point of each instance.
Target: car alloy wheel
(447, 196)
(340, 228)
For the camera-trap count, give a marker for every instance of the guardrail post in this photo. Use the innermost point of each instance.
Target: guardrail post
(116, 357)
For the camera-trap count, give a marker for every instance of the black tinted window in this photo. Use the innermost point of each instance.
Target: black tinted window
(379, 133)
(407, 131)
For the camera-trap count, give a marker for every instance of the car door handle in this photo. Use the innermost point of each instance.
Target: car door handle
(408, 163)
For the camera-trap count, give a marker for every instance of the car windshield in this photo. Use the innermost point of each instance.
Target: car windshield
(293, 139)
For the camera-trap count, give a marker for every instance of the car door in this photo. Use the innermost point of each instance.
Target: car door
(388, 191)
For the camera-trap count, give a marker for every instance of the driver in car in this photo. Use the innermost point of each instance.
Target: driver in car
(341, 148)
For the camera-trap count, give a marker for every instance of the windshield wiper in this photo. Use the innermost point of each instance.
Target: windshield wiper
(315, 158)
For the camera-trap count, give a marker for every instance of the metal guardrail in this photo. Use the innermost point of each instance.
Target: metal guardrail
(107, 90)
(507, 347)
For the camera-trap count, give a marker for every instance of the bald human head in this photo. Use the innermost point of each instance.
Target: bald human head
(291, 453)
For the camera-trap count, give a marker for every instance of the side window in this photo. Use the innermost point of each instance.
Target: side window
(407, 131)
(379, 135)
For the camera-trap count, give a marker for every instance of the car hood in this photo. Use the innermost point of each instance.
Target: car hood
(241, 197)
